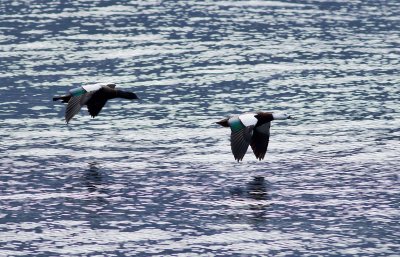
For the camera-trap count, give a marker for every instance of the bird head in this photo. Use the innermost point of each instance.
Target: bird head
(131, 95)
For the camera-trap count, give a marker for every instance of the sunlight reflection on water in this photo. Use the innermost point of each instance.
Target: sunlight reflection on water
(156, 176)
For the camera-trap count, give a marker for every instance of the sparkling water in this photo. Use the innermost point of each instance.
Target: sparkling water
(156, 176)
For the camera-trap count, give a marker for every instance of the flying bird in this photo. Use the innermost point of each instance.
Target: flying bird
(251, 129)
(94, 96)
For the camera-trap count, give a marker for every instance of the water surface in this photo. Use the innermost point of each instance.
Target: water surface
(156, 176)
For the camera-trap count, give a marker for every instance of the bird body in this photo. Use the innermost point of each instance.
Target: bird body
(94, 96)
(250, 129)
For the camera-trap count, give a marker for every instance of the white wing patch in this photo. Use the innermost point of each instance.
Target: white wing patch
(92, 87)
(248, 119)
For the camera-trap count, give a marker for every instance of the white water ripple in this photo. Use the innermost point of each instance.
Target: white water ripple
(156, 176)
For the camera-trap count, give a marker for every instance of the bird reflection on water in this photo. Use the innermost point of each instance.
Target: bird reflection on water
(98, 198)
(93, 178)
(256, 189)
(253, 201)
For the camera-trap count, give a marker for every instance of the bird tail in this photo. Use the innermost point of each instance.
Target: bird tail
(223, 122)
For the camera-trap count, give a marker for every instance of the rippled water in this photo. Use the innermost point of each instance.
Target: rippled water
(156, 176)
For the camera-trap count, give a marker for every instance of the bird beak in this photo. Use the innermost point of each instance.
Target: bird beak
(291, 117)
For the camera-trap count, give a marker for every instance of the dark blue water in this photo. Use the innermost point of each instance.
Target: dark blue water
(156, 177)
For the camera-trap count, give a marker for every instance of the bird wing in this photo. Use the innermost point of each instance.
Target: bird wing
(73, 107)
(96, 102)
(248, 119)
(240, 141)
(260, 140)
(95, 98)
(242, 130)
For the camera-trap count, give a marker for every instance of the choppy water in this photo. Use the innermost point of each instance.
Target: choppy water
(156, 176)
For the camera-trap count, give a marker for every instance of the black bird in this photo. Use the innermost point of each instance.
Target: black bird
(94, 96)
(250, 129)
